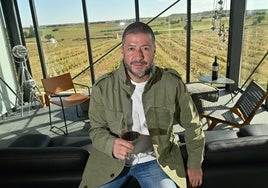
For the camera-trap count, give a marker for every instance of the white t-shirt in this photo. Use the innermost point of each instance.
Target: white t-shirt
(138, 117)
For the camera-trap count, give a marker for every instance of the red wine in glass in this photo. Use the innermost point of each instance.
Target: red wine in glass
(131, 136)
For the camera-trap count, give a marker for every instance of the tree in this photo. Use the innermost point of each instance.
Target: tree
(49, 36)
(31, 32)
(260, 18)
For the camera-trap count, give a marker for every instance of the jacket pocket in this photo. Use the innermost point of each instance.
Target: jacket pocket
(115, 120)
(159, 118)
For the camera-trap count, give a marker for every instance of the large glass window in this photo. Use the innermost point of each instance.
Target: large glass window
(64, 41)
(255, 42)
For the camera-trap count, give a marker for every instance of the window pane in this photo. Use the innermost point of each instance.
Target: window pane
(63, 38)
(31, 45)
(255, 42)
(171, 35)
(209, 37)
(169, 31)
(106, 28)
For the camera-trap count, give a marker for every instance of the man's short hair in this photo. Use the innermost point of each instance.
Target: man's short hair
(138, 27)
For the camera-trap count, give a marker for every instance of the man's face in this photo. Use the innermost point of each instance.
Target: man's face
(138, 52)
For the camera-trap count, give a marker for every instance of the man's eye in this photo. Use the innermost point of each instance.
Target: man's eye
(145, 48)
(130, 49)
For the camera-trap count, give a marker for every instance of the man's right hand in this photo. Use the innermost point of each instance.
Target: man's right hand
(122, 148)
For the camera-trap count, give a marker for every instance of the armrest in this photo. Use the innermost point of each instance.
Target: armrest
(88, 88)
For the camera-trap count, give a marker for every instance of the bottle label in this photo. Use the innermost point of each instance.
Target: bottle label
(215, 68)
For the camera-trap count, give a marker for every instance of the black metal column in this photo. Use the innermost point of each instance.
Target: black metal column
(90, 57)
(137, 10)
(188, 42)
(38, 39)
(237, 13)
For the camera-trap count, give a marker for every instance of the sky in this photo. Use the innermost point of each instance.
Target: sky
(51, 12)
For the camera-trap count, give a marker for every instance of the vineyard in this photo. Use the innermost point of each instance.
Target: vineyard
(69, 53)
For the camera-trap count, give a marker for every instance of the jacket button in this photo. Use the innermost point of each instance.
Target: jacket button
(112, 175)
(85, 186)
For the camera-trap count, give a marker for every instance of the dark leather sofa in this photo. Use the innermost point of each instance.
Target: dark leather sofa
(232, 159)
(235, 158)
(38, 161)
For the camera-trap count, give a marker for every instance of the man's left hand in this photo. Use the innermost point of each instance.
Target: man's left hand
(195, 177)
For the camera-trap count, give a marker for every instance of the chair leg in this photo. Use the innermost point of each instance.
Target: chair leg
(65, 123)
(76, 108)
(49, 112)
(50, 122)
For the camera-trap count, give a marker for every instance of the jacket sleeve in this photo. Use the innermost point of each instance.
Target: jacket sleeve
(188, 117)
(101, 136)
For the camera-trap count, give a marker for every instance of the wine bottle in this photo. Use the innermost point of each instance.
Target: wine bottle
(215, 69)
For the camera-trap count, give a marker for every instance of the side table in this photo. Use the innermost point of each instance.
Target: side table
(203, 91)
(220, 80)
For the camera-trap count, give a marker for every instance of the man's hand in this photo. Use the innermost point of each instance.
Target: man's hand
(122, 148)
(195, 177)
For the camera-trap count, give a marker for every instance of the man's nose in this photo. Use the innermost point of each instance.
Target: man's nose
(139, 54)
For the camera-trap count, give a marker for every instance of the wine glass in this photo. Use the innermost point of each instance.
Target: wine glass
(131, 136)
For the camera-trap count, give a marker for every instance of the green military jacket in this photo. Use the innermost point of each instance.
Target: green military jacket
(165, 98)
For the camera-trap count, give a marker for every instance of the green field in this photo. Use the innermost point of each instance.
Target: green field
(70, 53)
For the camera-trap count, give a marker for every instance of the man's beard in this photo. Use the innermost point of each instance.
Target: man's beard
(140, 74)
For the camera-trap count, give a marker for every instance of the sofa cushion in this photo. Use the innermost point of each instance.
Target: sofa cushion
(73, 141)
(31, 140)
(212, 135)
(253, 130)
(215, 135)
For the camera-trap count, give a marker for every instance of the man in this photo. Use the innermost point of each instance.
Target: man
(147, 98)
